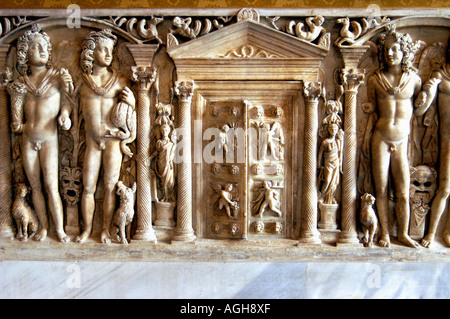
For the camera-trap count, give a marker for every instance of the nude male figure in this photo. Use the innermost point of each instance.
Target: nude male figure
(392, 90)
(44, 106)
(440, 82)
(102, 88)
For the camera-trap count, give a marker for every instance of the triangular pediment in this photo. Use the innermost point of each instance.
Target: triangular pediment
(247, 39)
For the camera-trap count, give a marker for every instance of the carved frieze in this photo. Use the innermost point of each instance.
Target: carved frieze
(265, 127)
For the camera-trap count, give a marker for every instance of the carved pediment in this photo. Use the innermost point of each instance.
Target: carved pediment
(233, 51)
(248, 34)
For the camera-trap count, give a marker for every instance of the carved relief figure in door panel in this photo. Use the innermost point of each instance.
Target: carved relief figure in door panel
(225, 168)
(266, 179)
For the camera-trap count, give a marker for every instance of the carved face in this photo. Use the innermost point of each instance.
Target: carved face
(71, 184)
(38, 54)
(258, 227)
(257, 169)
(423, 182)
(103, 52)
(393, 54)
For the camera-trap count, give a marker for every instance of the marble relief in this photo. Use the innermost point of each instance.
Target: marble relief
(182, 128)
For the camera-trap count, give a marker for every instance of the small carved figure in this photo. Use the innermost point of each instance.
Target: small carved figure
(225, 199)
(345, 35)
(182, 27)
(151, 32)
(125, 213)
(315, 28)
(164, 114)
(267, 197)
(123, 116)
(41, 94)
(392, 89)
(24, 216)
(271, 138)
(165, 169)
(330, 153)
(368, 219)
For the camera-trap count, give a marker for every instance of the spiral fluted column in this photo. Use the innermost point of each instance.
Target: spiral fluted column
(351, 80)
(145, 77)
(184, 230)
(308, 228)
(6, 184)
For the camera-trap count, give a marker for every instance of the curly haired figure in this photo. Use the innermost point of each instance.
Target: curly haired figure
(102, 88)
(44, 106)
(392, 90)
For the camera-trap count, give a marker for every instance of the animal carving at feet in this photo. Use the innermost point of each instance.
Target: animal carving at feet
(125, 213)
(23, 214)
(368, 219)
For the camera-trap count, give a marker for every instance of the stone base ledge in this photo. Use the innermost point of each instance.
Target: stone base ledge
(208, 250)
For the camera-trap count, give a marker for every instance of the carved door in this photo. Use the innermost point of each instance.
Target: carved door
(225, 157)
(248, 159)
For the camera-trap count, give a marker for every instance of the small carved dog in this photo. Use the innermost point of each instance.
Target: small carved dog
(23, 214)
(368, 219)
(125, 213)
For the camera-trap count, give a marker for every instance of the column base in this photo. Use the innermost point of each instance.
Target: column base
(310, 237)
(147, 234)
(183, 236)
(347, 237)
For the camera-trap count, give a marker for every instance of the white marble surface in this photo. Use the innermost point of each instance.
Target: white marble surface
(234, 280)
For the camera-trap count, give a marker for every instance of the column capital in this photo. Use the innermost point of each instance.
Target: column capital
(352, 79)
(144, 76)
(185, 90)
(312, 90)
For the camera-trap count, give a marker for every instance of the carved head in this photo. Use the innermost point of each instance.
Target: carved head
(257, 169)
(165, 130)
(318, 20)
(229, 187)
(33, 47)
(125, 193)
(259, 111)
(423, 182)
(267, 184)
(22, 190)
(333, 129)
(368, 199)
(278, 227)
(396, 48)
(71, 184)
(258, 227)
(97, 48)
